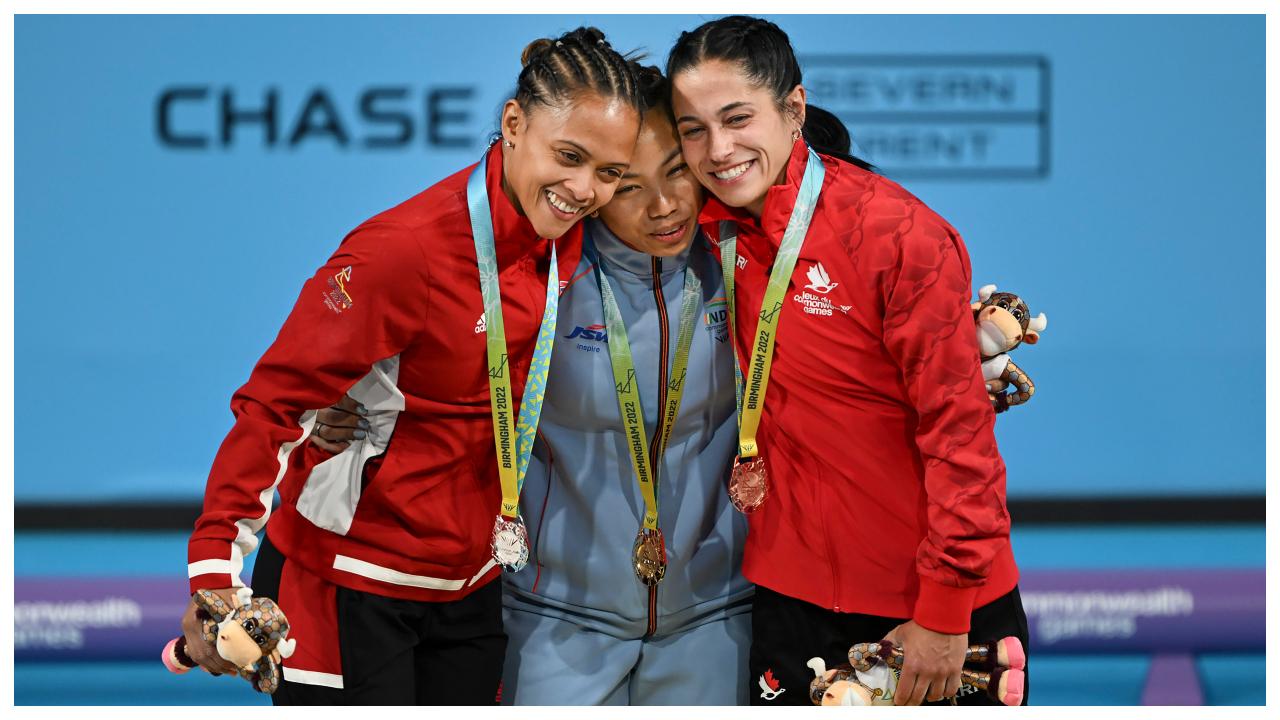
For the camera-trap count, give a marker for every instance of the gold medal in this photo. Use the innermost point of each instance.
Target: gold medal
(748, 484)
(650, 556)
(649, 553)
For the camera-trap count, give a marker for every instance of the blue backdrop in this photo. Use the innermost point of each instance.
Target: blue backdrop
(1111, 169)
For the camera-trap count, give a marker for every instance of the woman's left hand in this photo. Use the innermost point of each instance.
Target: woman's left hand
(931, 663)
(340, 425)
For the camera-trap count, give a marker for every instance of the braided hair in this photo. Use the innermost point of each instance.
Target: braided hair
(578, 61)
(764, 53)
(655, 90)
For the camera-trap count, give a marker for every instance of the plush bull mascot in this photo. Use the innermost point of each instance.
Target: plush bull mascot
(846, 685)
(1004, 323)
(252, 636)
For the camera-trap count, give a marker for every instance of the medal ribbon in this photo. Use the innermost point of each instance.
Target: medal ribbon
(624, 378)
(750, 393)
(512, 445)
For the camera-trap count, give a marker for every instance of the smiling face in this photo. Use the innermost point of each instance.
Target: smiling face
(735, 137)
(567, 158)
(655, 208)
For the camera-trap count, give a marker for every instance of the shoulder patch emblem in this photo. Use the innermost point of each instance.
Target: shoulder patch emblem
(337, 298)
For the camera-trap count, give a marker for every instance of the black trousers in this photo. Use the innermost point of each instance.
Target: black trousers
(786, 633)
(403, 652)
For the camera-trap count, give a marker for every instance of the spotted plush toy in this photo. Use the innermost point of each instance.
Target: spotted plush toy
(871, 677)
(252, 636)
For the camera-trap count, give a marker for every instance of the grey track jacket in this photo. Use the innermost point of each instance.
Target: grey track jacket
(580, 498)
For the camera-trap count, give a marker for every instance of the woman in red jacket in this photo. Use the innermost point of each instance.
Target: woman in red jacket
(437, 314)
(869, 469)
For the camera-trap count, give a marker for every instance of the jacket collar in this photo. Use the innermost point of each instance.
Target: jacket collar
(510, 228)
(779, 201)
(616, 254)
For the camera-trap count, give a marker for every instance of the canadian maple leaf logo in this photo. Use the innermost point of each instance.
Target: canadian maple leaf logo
(819, 281)
(770, 680)
(769, 685)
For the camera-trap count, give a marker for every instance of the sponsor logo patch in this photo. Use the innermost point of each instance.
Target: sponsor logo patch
(590, 338)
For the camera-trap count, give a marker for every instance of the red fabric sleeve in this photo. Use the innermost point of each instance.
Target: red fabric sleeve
(929, 330)
(367, 303)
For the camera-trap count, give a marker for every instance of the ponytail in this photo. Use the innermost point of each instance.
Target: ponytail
(826, 134)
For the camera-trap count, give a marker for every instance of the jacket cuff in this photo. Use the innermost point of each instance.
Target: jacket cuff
(209, 565)
(944, 608)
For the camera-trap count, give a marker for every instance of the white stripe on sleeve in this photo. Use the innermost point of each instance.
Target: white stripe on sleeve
(209, 567)
(247, 528)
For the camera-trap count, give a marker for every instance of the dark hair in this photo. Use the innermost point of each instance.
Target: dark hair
(655, 91)
(764, 53)
(577, 61)
(827, 134)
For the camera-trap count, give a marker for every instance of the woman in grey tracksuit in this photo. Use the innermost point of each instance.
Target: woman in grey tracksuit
(583, 628)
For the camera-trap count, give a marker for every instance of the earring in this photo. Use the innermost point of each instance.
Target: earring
(795, 135)
(508, 143)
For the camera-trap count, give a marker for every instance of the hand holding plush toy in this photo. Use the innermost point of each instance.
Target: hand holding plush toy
(251, 636)
(871, 677)
(1004, 323)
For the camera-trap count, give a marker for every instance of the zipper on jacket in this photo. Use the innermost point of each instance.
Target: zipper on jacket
(663, 338)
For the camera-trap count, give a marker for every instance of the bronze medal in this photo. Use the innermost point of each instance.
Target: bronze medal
(748, 485)
(510, 543)
(650, 556)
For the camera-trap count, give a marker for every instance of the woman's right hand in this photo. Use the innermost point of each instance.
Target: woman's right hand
(338, 426)
(199, 649)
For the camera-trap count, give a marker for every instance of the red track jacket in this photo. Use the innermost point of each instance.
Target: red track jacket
(396, 318)
(887, 492)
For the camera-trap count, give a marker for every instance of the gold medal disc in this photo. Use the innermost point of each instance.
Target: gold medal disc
(650, 556)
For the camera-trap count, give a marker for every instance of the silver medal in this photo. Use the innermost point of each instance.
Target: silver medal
(510, 543)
